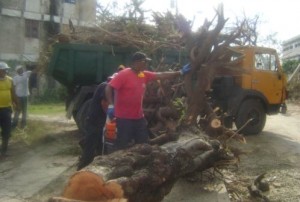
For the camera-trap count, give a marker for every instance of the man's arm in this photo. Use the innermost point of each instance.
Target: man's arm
(167, 75)
(171, 75)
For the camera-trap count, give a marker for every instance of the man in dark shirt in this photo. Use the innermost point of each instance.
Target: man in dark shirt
(94, 123)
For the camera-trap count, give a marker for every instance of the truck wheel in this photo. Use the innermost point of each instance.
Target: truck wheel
(82, 114)
(251, 109)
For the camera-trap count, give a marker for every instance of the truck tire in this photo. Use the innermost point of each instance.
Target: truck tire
(251, 109)
(82, 114)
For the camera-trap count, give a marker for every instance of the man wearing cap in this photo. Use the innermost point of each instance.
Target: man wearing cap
(22, 91)
(126, 106)
(7, 101)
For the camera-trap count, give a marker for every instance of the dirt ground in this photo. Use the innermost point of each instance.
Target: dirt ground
(276, 152)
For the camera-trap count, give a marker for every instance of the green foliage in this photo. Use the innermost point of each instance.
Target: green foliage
(32, 134)
(35, 130)
(39, 132)
(52, 95)
(47, 109)
(294, 85)
(289, 66)
(294, 91)
(178, 103)
(134, 10)
(131, 12)
(12, 64)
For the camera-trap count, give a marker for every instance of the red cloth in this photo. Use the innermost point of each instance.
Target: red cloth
(129, 92)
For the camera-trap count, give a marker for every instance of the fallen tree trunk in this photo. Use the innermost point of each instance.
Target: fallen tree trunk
(142, 173)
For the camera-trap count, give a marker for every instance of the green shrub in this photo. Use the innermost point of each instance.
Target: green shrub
(52, 95)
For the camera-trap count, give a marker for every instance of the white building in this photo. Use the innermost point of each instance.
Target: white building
(291, 49)
(26, 24)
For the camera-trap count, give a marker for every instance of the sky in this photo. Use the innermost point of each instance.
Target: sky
(276, 16)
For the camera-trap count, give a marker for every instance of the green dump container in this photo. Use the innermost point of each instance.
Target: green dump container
(85, 64)
(82, 64)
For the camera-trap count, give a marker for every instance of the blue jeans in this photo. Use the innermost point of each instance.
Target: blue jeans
(23, 109)
(131, 131)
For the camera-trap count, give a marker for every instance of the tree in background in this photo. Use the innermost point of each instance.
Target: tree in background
(293, 83)
(289, 66)
(132, 11)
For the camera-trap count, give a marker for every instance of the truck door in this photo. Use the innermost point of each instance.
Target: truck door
(266, 77)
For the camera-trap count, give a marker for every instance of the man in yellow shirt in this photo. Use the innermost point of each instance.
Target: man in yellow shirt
(7, 101)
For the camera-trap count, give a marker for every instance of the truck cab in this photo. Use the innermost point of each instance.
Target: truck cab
(249, 93)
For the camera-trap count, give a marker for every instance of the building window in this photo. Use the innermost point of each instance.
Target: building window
(32, 28)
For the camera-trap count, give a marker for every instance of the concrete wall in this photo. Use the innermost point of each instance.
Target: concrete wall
(14, 45)
(11, 38)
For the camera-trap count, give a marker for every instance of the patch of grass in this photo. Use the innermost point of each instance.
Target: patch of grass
(46, 109)
(38, 132)
(41, 131)
(35, 132)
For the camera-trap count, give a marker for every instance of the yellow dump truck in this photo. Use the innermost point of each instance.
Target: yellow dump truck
(247, 96)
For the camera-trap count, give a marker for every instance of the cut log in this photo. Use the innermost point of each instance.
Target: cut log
(215, 123)
(142, 173)
(95, 188)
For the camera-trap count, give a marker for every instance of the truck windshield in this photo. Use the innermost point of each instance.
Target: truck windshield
(265, 61)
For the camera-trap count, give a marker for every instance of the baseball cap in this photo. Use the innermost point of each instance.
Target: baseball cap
(3, 65)
(139, 56)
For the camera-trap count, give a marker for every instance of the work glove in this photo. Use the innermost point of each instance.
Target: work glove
(185, 69)
(110, 112)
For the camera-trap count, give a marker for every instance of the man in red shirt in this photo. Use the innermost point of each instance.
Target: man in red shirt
(126, 102)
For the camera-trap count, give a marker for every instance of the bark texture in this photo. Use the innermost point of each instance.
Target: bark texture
(142, 173)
